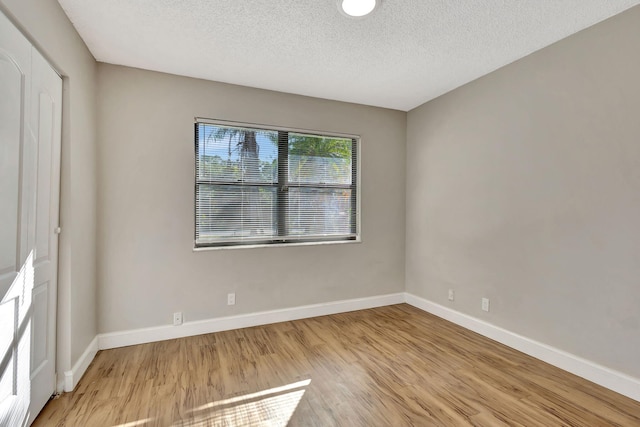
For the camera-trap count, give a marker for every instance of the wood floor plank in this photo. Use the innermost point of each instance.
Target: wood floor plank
(390, 366)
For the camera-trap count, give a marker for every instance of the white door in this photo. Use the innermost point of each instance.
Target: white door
(30, 127)
(46, 122)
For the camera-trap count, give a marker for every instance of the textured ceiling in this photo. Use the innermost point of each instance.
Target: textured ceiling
(404, 54)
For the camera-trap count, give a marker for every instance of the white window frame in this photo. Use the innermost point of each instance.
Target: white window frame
(279, 242)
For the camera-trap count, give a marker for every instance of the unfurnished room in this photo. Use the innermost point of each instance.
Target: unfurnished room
(319, 213)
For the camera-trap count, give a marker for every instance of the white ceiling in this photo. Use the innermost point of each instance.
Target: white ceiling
(404, 54)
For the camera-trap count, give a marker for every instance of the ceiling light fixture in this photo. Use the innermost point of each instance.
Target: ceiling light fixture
(357, 8)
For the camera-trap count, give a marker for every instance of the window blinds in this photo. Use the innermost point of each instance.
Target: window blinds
(259, 186)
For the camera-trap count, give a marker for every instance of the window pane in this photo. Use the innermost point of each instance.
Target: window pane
(319, 160)
(234, 154)
(235, 213)
(319, 212)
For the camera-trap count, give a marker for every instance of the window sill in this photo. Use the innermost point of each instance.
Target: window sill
(277, 245)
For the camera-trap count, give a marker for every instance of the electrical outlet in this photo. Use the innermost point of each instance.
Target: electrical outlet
(485, 304)
(177, 318)
(452, 295)
(231, 299)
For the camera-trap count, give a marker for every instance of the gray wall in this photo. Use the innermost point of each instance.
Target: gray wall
(524, 187)
(147, 266)
(49, 29)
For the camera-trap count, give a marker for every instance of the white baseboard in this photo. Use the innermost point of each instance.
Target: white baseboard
(72, 377)
(609, 378)
(160, 333)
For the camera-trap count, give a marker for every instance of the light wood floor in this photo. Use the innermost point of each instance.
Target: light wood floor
(390, 366)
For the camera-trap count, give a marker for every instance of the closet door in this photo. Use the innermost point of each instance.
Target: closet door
(45, 125)
(30, 116)
(16, 274)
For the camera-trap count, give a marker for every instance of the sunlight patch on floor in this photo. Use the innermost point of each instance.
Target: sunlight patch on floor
(136, 423)
(272, 407)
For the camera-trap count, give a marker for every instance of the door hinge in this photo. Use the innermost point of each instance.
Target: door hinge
(58, 230)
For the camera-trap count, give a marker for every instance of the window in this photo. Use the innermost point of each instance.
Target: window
(258, 185)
